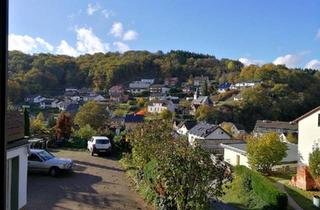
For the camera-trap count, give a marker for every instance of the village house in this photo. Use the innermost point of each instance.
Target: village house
(222, 88)
(199, 101)
(47, 103)
(209, 137)
(236, 154)
(234, 129)
(199, 81)
(184, 126)
(308, 139)
(279, 127)
(17, 161)
(71, 92)
(136, 87)
(131, 121)
(117, 94)
(171, 81)
(158, 90)
(243, 85)
(158, 106)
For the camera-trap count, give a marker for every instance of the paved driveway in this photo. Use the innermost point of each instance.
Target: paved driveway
(97, 183)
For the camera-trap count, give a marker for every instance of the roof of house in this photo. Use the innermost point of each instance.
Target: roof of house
(203, 129)
(163, 102)
(131, 118)
(306, 114)
(201, 100)
(142, 112)
(187, 123)
(276, 124)
(292, 150)
(72, 107)
(224, 85)
(238, 126)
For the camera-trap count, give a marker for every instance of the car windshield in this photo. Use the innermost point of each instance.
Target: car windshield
(102, 141)
(45, 155)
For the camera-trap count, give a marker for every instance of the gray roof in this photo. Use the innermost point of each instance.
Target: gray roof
(203, 129)
(276, 124)
(292, 151)
(201, 100)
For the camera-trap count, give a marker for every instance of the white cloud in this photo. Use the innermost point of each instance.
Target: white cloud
(130, 35)
(105, 13)
(65, 49)
(313, 64)
(92, 8)
(88, 42)
(117, 29)
(121, 47)
(248, 61)
(290, 60)
(318, 34)
(28, 44)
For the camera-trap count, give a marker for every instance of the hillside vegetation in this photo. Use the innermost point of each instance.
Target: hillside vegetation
(283, 95)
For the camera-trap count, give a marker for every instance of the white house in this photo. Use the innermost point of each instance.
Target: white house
(38, 99)
(184, 126)
(17, 162)
(150, 81)
(309, 134)
(139, 86)
(236, 153)
(158, 106)
(308, 139)
(242, 85)
(47, 103)
(209, 137)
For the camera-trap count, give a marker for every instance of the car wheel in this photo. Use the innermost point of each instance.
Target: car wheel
(54, 171)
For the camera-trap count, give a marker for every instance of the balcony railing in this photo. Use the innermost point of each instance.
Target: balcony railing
(15, 126)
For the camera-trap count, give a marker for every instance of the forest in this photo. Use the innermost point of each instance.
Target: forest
(283, 94)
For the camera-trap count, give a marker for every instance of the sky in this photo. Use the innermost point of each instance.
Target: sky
(254, 32)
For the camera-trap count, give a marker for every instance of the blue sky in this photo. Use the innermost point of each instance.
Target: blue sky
(283, 32)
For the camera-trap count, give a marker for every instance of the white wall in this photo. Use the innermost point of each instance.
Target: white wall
(230, 156)
(22, 152)
(309, 136)
(183, 130)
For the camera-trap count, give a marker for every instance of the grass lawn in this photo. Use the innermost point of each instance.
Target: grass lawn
(238, 197)
(302, 197)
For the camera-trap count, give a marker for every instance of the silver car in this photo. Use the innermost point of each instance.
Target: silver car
(43, 161)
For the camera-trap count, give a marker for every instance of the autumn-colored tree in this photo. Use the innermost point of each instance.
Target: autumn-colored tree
(93, 114)
(63, 126)
(38, 127)
(265, 151)
(166, 114)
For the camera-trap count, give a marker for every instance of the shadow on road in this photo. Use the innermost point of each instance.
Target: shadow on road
(44, 192)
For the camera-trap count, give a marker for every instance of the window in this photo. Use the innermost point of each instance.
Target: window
(34, 157)
(318, 120)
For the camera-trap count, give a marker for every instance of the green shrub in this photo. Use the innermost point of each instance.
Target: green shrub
(263, 188)
(77, 143)
(314, 162)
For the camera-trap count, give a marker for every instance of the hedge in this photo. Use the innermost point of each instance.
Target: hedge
(265, 189)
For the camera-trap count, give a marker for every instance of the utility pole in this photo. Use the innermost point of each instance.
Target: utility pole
(3, 98)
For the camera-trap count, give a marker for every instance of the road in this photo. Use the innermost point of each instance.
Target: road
(96, 183)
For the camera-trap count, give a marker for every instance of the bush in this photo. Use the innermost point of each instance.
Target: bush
(263, 188)
(77, 143)
(314, 162)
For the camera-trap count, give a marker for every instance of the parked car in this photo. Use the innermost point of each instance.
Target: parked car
(40, 160)
(98, 145)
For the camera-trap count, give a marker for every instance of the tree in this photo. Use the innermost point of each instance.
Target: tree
(265, 151)
(204, 89)
(187, 178)
(292, 138)
(86, 132)
(203, 113)
(93, 114)
(38, 127)
(166, 114)
(314, 162)
(63, 126)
